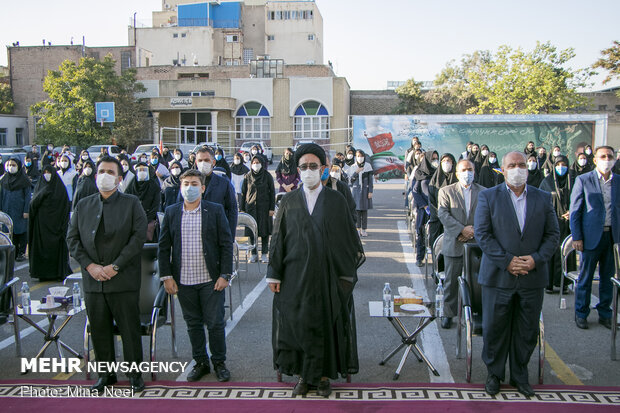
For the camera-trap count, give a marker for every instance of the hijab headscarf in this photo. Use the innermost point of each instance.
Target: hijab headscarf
(348, 161)
(16, 181)
(535, 177)
(240, 168)
(425, 169)
(440, 178)
(488, 175)
(257, 178)
(579, 170)
(86, 185)
(142, 188)
(172, 181)
(528, 152)
(287, 166)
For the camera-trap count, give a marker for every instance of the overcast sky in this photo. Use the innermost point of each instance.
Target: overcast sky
(368, 42)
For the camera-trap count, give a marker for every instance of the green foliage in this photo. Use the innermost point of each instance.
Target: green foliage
(410, 96)
(68, 116)
(611, 62)
(6, 100)
(519, 82)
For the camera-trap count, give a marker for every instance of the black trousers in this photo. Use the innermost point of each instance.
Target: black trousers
(105, 309)
(20, 241)
(362, 219)
(510, 324)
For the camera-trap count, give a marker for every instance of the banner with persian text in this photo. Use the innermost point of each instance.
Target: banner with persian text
(386, 138)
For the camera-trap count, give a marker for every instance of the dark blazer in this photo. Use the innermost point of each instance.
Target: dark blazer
(221, 191)
(129, 226)
(217, 242)
(497, 232)
(587, 209)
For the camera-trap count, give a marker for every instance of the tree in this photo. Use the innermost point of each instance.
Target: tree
(6, 100)
(68, 115)
(611, 62)
(410, 98)
(519, 82)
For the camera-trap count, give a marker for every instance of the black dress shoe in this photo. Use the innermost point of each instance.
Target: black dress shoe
(605, 322)
(419, 264)
(492, 385)
(103, 381)
(324, 388)
(137, 383)
(199, 370)
(523, 388)
(446, 322)
(581, 322)
(301, 388)
(221, 372)
(549, 290)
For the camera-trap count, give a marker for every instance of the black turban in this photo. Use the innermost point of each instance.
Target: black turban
(312, 148)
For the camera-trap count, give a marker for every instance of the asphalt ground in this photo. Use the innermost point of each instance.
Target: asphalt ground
(573, 356)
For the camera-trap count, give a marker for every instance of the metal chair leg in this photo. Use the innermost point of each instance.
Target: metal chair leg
(541, 350)
(468, 338)
(16, 333)
(87, 347)
(459, 326)
(614, 319)
(153, 347)
(173, 329)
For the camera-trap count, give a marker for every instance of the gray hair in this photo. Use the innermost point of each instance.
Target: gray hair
(465, 160)
(510, 153)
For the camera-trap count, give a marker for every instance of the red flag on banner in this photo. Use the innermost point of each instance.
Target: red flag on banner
(381, 142)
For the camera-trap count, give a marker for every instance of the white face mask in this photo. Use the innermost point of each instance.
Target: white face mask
(588, 151)
(88, 171)
(516, 176)
(465, 177)
(205, 167)
(604, 166)
(256, 167)
(557, 153)
(64, 165)
(106, 182)
(310, 178)
(582, 162)
(236, 161)
(435, 163)
(84, 157)
(484, 152)
(47, 176)
(177, 156)
(12, 169)
(492, 160)
(175, 171)
(360, 159)
(446, 167)
(531, 165)
(349, 156)
(246, 159)
(335, 175)
(142, 176)
(125, 168)
(253, 151)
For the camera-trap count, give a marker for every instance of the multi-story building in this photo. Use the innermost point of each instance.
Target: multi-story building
(195, 33)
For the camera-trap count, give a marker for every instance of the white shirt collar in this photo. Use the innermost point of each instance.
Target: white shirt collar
(600, 175)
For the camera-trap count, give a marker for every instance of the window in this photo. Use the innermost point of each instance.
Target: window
(270, 37)
(175, 35)
(232, 38)
(294, 15)
(271, 15)
(253, 122)
(3, 134)
(310, 37)
(195, 127)
(183, 34)
(197, 93)
(617, 108)
(602, 108)
(273, 68)
(125, 61)
(19, 136)
(248, 54)
(286, 15)
(311, 121)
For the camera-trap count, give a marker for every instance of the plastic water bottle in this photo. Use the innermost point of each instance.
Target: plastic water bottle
(25, 295)
(77, 301)
(387, 299)
(439, 300)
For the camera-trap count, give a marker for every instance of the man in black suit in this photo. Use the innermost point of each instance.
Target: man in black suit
(106, 235)
(517, 229)
(195, 262)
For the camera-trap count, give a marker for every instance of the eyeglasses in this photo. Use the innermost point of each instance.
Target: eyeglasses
(311, 166)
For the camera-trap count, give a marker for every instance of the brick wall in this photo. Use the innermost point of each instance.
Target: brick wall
(373, 102)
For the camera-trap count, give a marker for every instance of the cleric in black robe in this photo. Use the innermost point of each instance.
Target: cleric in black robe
(490, 173)
(47, 228)
(559, 183)
(313, 259)
(534, 173)
(86, 184)
(443, 176)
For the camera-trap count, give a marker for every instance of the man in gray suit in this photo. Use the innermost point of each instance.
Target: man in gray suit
(456, 206)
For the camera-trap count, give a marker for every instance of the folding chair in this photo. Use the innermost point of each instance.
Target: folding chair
(567, 251)
(8, 295)
(246, 245)
(6, 222)
(438, 263)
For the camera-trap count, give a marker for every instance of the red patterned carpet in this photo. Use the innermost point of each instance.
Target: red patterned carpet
(52, 396)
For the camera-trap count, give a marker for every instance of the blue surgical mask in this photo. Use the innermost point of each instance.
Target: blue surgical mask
(154, 161)
(28, 163)
(218, 157)
(325, 174)
(190, 193)
(561, 170)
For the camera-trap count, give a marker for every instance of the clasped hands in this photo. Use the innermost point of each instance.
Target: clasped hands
(101, 273)
(466, 234)
(521, 265)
